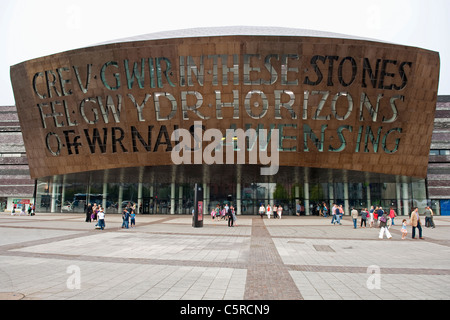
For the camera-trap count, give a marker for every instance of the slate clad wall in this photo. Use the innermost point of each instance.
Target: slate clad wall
(438, 176)
(14, 172)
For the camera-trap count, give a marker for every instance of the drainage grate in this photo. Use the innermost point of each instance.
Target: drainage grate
(323, 248)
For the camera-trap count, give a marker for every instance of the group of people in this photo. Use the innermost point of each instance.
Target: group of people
(129, 215)
(377, 216)
(374, 217)
(336, 212)
(384, 220)
(225, 212)
(23, 211)
(96, 213)
(416, 223)
(276, 211)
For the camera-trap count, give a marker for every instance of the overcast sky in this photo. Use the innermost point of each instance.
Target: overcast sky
(31, 29)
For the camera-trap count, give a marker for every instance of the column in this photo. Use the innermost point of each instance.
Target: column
(206, 191)
(53, 200)
(105, 194)
(306, 187)
(331, 195)
(398, 196)
(63, 191)
(152, 201)
(105, 189)
(139, 203)
(180, 199)
(346, 205)
(119, 205)
(238, 190)
(172, 198)
(405, 199)
(368, 197)
(205, 199)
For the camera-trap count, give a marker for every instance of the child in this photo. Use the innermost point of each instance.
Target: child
(133, 219)
(404, 231)
(101, 218)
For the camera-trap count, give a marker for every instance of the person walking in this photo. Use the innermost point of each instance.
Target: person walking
(226, 208)
(392, 215)
(275, 211)
(262, 210)
(269, 211)
(279, 211)
(217, 212)
(380, 213)
(383, 226)
(371, 216)
(333, 213)
(375, 217)
(233, 212)
(125, 216)
(230, 217)
(336, 215)
(325, 210)
(404, 230)
(354, 213)
(429, 218)
(89, 213)
(101, 218)
(415, 223)
(94, 212)
(341, 212)
(133, 219)
(364, 214)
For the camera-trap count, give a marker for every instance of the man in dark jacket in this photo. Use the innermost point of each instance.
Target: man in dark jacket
(230, 217)
(89, 213)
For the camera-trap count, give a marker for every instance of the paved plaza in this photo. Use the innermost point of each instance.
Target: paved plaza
(60, 256)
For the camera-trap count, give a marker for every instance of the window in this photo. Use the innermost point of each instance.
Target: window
(437, 152)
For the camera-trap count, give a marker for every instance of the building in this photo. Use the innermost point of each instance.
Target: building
(16, 185)
(255, 115)
(438, 176)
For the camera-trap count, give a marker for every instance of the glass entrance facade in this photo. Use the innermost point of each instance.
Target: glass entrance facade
(169, 190)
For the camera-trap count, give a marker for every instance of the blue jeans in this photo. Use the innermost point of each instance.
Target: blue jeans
(354, 223)
(414, 230)
(125, 224)
(336, 218)
(101, 223)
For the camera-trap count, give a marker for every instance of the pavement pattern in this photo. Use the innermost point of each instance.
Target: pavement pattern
(62, 257)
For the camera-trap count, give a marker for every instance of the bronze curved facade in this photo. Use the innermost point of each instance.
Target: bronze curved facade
(338, 104)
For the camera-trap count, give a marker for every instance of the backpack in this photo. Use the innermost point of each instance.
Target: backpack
(383, 218)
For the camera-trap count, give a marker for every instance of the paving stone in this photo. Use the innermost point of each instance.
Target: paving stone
(164, 258)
